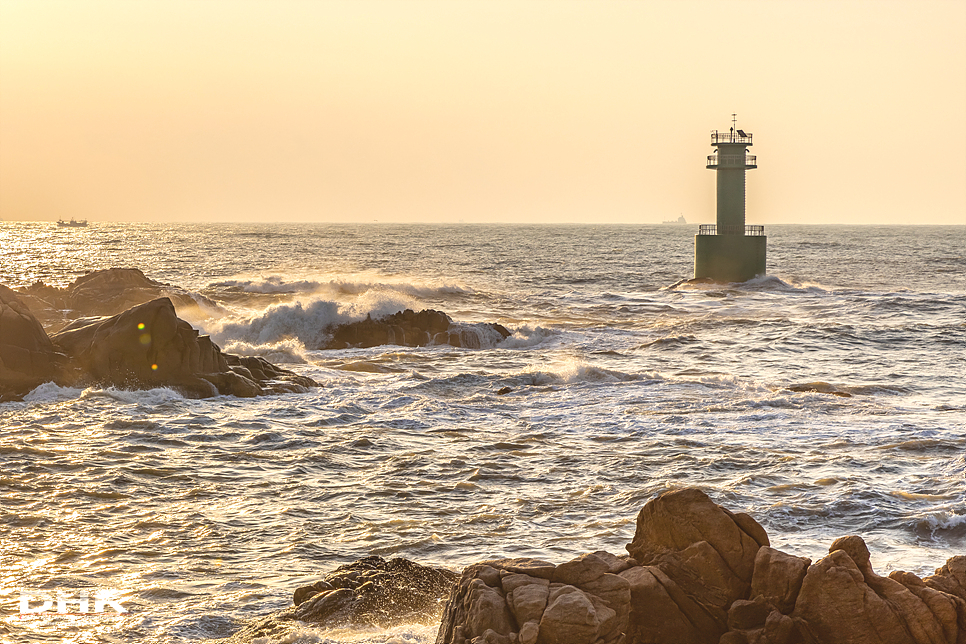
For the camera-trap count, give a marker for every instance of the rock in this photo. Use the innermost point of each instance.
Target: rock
(778, 578)
(103, 293)
(570, 618)
(146, 346)
(412, 329)
(843, 600)
(149, 346)
(370, 592)
(661, 611)
(27, 356)
(406, 328)
(537, 603)
(951, 578)
(707, 551)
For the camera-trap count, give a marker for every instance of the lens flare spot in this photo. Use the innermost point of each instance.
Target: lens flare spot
(145, 338)
(154, 367)
(140, 326)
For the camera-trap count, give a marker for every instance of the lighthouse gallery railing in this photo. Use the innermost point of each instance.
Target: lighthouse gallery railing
(729, 137)
(732, 161)
(750, 231)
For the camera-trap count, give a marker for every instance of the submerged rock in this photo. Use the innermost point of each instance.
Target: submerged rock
(370, 592)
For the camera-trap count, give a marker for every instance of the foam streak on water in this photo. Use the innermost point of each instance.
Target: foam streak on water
(206, 512)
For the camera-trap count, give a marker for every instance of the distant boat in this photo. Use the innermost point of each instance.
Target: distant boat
(679, 220)
(72, 223)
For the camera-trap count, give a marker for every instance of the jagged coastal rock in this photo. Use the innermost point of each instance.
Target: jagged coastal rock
(411, 329)
(696, 573)
(372, 592)
(699, 574)
(101, 293)
(27, 356)
(149, 346)
(143, 347)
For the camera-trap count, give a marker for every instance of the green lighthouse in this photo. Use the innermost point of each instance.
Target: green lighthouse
(730, 251)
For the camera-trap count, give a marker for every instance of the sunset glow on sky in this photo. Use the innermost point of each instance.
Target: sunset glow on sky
(415, 111)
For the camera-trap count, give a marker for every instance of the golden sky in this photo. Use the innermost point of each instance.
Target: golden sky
(488, 111)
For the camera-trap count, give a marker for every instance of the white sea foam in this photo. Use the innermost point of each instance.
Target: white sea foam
(50, 393)
(148, 397)
(526, 336)
(573, 371)
(341, 286)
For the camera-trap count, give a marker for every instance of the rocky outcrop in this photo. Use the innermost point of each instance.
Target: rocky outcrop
(411, 329)
(531, 601)
(699, 574)
(370, 592)
(101, 293)
(146, 346)
(27, 357)
(149, 346)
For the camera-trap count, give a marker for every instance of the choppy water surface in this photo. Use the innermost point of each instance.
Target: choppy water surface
(203, 513)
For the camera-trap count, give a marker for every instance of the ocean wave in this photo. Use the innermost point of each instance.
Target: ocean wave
(762, 283)
(572, 372)
(49, 393)
(945, 525)
(306, 322)
(525, 336)
(148, 397)
(279, 284)
(52, 393)
(283, 351)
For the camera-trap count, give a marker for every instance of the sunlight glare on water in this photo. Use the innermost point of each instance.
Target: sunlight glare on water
(205, 513)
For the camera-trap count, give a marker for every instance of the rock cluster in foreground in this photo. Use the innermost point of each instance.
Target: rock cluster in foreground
(695, 574)
(699, 574)
(145, 346)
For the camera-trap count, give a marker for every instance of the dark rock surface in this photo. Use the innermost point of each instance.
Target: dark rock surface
(27, 356)
(411, 329)
(700, 574)
(145, 346)
(149, 346)
(101, 293)
(370, 592)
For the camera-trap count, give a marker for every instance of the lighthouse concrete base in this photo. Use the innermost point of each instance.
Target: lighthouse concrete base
(729, 258)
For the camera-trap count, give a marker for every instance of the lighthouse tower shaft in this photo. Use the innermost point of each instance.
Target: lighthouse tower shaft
(730, 251)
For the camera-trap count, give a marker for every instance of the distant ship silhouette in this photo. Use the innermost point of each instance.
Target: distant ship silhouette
(679, 220)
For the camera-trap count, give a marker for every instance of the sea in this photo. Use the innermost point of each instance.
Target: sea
(826, 398)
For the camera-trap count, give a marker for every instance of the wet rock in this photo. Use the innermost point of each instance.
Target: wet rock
(27, 356)
(149, 346)
(406, 328)
(102, 293)
(370, 592)
(412, 329)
